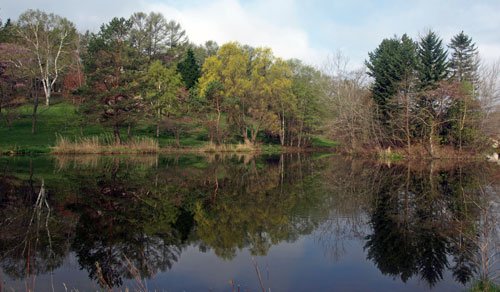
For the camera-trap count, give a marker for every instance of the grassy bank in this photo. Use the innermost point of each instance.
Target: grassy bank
(60, 131)
(56, 120)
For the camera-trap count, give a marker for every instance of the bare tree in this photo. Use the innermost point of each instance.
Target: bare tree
(51, 40)
(489, 96)
(20, 66)
(351, 108)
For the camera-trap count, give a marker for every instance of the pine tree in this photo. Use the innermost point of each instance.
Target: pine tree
(432, 56)
(189, 69)
(464, 62)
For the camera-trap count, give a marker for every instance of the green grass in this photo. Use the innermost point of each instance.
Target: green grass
(58, 119)
(271, 149)
(389, 156)
(321, 142)
(184, 142)
(61, 119)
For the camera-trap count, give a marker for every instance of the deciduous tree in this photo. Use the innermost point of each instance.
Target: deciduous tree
(163, 86)
(51, 39)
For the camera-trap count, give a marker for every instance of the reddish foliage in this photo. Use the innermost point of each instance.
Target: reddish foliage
(73, 80)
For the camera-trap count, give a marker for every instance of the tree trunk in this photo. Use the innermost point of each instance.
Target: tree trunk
(462, 125)
(253, 135)
(431, 139)
(299, 135)
(177, 139)
(2, 97)
(245, 136)
(48, 91)
(407, 123)
(282, 130)
(35, 108)
(116, 133)
(217, 127)
(158, 123)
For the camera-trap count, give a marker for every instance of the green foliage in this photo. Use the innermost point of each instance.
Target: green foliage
(433, 64)
(415, 98)
(305, 110)
(189, 70)
(260, 93)
(163, 85)
(321, 142)
(113, 68)
(242, 93)
(464, 59)
(392, 66)
(7, 33)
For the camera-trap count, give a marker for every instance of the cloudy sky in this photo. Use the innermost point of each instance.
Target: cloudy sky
(309, 30)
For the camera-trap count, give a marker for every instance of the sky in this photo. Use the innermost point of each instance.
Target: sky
(310, 30)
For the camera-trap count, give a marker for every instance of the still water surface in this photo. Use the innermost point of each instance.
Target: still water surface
(209, 223)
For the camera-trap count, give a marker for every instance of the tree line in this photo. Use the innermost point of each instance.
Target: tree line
(144, 70)
(427, 94)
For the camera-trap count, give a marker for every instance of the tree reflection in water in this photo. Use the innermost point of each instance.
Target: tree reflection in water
(131, 218)
(421, 218)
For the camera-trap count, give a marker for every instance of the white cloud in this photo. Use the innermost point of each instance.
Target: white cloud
(489, 52)
(307, 30)
(228, 20)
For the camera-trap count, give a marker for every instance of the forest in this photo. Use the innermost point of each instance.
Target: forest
(140, 82)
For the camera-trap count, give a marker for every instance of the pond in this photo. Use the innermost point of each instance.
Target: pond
(291, 222)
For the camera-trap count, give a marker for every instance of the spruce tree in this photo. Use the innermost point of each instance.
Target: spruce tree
(433, 65)
(189, 69)
(6, 32)
(383, 67)
(392, 65)
(464, 62)
(408, 62)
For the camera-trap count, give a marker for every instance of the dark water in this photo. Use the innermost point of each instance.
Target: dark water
(285, 223)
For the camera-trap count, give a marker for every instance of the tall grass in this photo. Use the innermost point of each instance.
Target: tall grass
(104, 145)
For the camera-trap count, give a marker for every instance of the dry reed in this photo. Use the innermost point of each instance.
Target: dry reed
(94, 145)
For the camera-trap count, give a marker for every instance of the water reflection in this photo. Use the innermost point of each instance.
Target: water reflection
(132, 218)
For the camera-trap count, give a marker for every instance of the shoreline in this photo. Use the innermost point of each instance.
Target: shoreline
(124, 150)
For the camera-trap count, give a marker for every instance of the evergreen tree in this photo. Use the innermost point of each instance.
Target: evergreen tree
(432, 56)
(6, 32)
(189, 69)
(392, 65)
(464, 62)
(113, 68)
(402, 120)
(383, 65)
